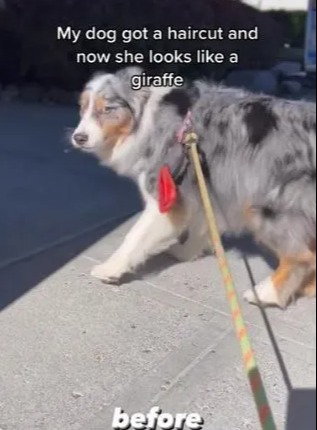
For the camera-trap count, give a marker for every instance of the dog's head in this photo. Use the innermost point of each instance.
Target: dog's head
(110, 111)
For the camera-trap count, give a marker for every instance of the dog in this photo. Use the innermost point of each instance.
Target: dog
(258, 155)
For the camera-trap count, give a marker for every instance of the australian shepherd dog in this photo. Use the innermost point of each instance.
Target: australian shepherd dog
(258, 155)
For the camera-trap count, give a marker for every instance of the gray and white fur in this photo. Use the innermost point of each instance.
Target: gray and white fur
(259, 158)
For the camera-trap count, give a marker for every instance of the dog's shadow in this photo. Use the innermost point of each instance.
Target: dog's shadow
(244, 246)
(247, 247)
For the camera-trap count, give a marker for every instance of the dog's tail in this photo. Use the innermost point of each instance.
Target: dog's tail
(285, 219)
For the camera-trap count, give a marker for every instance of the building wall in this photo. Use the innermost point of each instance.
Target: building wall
(279, 4)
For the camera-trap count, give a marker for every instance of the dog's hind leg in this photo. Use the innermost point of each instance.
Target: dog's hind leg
(295, 274)
(286, 223)
(282, 286)
(153, 233)
(309, 288)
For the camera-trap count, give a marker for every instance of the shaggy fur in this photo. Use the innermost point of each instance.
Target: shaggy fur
(258, 155)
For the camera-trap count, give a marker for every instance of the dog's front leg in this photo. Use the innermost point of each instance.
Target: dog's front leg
(152, 234)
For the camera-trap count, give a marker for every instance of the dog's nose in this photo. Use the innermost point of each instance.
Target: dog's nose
(80, 139)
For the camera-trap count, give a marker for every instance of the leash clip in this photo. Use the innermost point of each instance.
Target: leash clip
(190, 139)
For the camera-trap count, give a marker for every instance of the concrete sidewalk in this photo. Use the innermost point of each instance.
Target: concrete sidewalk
(73, 349)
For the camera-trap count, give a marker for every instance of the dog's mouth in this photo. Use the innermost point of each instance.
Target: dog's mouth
(101, 149)
(83, 148)
(82, 142)
(87, 149)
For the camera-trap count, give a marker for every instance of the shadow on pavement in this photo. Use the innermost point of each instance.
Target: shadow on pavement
(245, 246)
(50, 196)
(17, 279)
(248, 248)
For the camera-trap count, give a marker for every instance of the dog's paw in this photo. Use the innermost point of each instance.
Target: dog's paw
(108, 272)
(265, 293)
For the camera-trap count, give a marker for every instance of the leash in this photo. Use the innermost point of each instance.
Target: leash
(190, 140)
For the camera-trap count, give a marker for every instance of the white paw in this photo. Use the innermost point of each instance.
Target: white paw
(110, 272)
(265, 293)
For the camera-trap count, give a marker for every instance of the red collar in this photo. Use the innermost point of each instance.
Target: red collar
(167, 189)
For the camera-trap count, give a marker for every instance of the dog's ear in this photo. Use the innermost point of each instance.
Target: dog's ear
(128, 73)
(136, 99)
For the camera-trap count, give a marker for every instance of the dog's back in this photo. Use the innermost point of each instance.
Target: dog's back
(260, 151)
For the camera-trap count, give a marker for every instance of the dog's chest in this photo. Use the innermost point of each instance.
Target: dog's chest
(146, 183)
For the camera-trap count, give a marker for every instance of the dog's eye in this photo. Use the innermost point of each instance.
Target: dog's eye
(110, 109)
